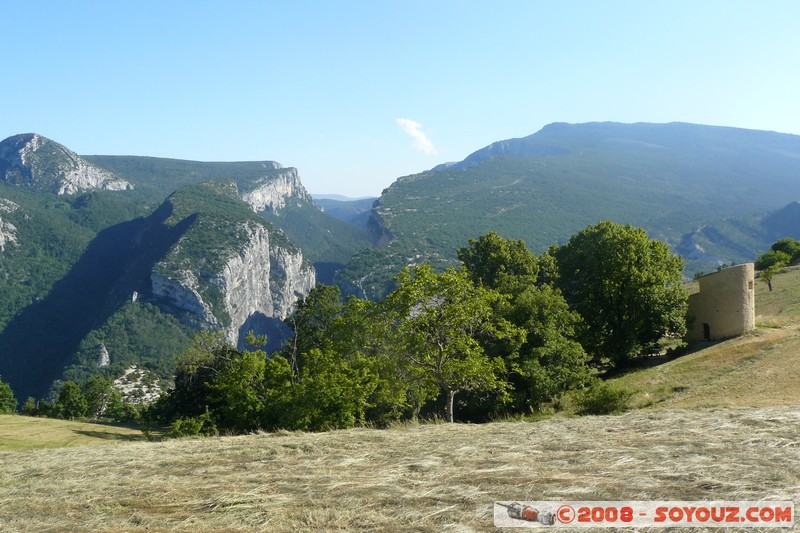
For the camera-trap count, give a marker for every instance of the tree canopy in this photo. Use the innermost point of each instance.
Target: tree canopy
(626, 287)
(550, 361)
(783, 252)
(439, 320)
(509, 332)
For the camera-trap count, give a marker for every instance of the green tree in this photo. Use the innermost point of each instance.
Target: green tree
(550, 361)
(30, 408)
(773, 258)
(312, 320)
(240, 391)
(100, 394)
(768, 274)
(499, 263)
(626, 287)
(363, 334)
(213, 376)
(331, 392)
(438, 321)
(789, 246)
(71, 402)
(8, 403)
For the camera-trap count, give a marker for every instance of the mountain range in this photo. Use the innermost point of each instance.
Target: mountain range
(112, 261)
(704, 190)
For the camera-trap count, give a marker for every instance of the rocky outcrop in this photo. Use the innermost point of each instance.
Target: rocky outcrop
(35, 161)
(8, 231)
(8, 234)
(291, 279)
(181, 291)
(272, 192)
(257, 281)
(103, 357)
(138, 386)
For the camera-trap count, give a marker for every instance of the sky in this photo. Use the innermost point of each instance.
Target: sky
(355, 94)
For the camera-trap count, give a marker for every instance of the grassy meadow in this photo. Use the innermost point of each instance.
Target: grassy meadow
(27, 433)
(722, 422)
(760, 369)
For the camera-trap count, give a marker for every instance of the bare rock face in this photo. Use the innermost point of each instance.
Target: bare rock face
(182, 291)
(35, 161)
(103, 357)
(256, 281)
(271, 193)
(8, 231)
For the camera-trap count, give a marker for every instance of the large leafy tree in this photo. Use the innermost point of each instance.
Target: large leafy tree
(102, 398)
(438, 320)
(214, 377)
(499, 263)
(550, 361)
(344, 339)
(240, 391)
(331, 392)
(362, 334)
(626, 287)
(782, 253)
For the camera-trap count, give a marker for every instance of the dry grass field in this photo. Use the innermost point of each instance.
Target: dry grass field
(416, 478)
(720, 423)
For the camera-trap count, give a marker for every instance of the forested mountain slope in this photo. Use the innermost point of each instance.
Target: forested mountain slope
(100, 259)
(670, 179)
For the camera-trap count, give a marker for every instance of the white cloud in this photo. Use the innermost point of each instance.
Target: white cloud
(421, 141)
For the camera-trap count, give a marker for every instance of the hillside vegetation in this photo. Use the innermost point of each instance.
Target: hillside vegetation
(670, 179)
(78, 266)
(326, 241)
(758, 369)
(722, 423)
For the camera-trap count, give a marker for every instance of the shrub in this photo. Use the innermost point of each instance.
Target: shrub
(30, 408)
(8, 403)
(193, 426)
(602, 398)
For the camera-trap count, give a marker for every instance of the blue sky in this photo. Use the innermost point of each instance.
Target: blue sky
(356, 94)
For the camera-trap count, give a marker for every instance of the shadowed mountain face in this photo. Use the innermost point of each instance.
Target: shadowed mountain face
(40, 341)
(89, 265)
(670, 179)
(79, 235)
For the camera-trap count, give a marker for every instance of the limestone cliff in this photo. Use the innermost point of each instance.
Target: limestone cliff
(259, 280)
(8, 231)
(272, 192)
(35, 161)
(8, 234)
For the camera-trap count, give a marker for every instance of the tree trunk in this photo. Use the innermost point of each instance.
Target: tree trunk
(448, 406)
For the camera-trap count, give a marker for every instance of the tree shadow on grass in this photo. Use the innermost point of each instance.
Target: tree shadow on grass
(110, 435)
(649, 361)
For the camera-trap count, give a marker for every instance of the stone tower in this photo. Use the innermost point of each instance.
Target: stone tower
(725, 306)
